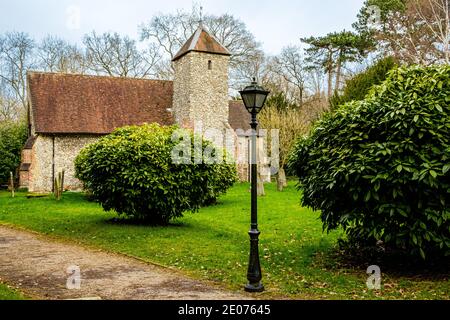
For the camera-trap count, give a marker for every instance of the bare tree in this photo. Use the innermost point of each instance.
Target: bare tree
(171, 31)
(16, 58)
(435, 14)
(233, 34)
(10, 108)
(408, 38)
(292, 124)
(315, 81)
(292, 83)
(255, 68)
(290, 65)
(57, 55)
(114, 55)
(150, 64)
(413, 31)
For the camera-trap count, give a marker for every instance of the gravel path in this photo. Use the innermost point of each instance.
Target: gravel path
(39, 267)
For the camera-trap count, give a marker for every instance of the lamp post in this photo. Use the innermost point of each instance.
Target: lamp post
(254, 97)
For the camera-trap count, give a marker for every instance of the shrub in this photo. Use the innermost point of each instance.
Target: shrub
(12, 139)
(359, 86)
(131, 171)
(380, 168)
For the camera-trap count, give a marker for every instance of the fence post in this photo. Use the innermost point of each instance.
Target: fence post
(11, 182)
(59, 185)
(62, 182)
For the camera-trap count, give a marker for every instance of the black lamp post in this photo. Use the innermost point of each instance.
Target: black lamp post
(254, 97)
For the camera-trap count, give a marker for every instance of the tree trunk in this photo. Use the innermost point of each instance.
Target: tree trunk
(300, 91)
(338, 73)
(301, 98)
(330, 76)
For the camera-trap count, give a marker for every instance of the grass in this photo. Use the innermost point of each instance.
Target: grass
(297, 258)
(6, 293)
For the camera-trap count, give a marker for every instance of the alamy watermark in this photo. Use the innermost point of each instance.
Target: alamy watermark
(73, 17)
(374, 280)
(237, 144)
(74, 279)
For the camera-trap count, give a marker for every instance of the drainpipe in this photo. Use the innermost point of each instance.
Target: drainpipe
(28, 120)
(53, 164)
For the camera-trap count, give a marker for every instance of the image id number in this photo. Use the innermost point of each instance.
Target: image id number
(245, 310)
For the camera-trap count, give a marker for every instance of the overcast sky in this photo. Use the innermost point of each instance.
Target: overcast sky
(275, 23)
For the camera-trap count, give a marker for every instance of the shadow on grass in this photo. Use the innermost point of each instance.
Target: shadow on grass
(124, 221)
(394, 262)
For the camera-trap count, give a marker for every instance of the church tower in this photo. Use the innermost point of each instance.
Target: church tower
(201, 82)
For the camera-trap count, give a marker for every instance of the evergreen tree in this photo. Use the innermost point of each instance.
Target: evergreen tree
(333, 51)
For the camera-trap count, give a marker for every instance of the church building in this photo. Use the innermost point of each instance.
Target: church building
(68, 111)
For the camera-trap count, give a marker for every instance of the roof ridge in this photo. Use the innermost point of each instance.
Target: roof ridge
(195, 39)
(66, 74)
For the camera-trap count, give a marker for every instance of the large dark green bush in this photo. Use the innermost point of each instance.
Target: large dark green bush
(359, 86)
(12, 139)
(131, 171)
(380, 168)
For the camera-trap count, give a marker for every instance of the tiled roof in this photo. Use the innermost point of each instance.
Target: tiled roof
(239, 117)
(77, 104)
(202, 41)
(68, 103)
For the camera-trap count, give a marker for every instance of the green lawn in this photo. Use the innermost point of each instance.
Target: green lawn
(213, 244)
(6, 293)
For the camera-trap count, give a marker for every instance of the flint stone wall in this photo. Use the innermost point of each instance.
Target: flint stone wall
(200, 93)
(66, 149)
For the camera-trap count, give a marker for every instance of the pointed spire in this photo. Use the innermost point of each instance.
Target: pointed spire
(202, 41)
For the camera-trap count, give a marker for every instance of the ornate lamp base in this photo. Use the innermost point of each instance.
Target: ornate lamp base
(254, 287)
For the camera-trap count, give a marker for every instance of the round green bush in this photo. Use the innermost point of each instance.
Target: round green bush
(131, 171)
(380, 168)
